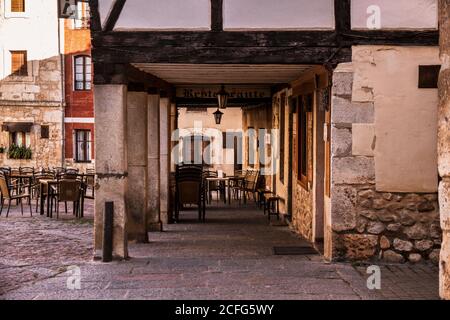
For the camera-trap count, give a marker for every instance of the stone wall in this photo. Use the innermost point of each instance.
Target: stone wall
(36, 98)
(46, 152)
(368, 224)
(444, 146)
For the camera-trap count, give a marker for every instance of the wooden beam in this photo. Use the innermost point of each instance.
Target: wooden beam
(342, 16)
(96, 25)
(223, 55)
(217, 15)
(201, 39)
(113, 15)
(124, 73)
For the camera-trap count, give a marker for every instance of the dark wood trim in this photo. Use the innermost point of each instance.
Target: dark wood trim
(96, 25)
(342, 16)
(113, 15)
(222, 55)
(216, 15)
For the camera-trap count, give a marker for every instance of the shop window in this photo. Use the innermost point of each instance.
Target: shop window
(302, 139)
(83, 145)
(83, 73)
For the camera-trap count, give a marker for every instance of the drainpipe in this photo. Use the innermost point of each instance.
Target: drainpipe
(63, 87)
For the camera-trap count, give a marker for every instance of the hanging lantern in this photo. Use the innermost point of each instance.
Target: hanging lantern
(222, 97)
(218, 116)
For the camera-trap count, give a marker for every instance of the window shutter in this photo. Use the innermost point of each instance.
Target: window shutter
(45, 132)
(17, 5)
(19, 63)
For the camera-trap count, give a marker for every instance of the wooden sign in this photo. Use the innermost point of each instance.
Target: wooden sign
(235, 92)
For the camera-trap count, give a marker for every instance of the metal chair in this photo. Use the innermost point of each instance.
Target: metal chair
(69, 191)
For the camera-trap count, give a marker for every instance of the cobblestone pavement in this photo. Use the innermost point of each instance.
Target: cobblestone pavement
(229, 257)
(37, 248)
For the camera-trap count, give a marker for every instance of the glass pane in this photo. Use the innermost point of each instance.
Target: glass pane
(79, 69)
(79, 61)
(88, 85)
(278, 14)
(79, 77)
(79, 85)
(88, 77)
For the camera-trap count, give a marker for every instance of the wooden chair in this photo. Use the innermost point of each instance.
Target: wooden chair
(190, 189)
(6, 191)
(69, 191)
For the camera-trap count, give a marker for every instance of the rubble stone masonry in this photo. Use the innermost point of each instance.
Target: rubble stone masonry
(36, 98)
(367, 224)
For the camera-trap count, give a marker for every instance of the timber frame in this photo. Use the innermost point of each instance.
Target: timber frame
(112, 50)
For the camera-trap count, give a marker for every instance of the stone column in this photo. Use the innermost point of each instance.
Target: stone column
(137, 166)
(164, 132)
(444, 146)
(153, 176)
(111, 164)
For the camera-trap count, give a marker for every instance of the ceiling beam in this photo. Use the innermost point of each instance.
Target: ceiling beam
(113, 15)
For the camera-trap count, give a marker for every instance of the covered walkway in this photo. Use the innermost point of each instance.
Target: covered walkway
(229, 257)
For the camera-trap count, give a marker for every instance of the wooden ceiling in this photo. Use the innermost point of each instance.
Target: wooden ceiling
(224, 73)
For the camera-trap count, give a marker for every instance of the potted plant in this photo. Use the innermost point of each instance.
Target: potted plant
(19, 152)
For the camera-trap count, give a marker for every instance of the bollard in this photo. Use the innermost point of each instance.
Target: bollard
(108, 222)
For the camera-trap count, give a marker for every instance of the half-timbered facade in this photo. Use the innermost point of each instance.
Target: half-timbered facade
(354, 94)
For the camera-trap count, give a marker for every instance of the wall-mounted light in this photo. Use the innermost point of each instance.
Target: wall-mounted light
(222, 97)
(218, 116)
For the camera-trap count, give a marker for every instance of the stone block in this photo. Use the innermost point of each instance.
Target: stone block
(393, 257)
(363, 143)
(444, 203)
(341, 144)
(424, 245)
(346, 111)
(375, 228)
(359, 247)
(343, 208)
(353, 170)
(343, 81)
(403, 246)
(384, 243)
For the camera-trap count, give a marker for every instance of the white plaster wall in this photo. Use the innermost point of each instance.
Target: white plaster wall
(405, 116)
(167, 14)
(36, 31)
(397, 14)
(280, 14)
(231, 120)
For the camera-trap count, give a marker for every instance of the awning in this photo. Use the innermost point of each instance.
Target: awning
(17, 126)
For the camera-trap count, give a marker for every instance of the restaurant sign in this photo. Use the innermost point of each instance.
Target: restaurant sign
(235, 92)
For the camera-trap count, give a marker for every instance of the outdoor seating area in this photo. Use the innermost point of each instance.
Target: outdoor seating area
(48, 188)
(195, 185)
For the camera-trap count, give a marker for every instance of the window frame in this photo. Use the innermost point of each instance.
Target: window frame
(303, 147)
(23, 71)
(83, 22)
(87, 149)
(8, 13)
(25, 139)
(84, 73)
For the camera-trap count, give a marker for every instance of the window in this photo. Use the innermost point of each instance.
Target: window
(21, 139)
(82, 145)
(45, 132)
(19, 63)
(82, 17)
(302, 141)
(17, 5)
(282, 134)
(83, 73)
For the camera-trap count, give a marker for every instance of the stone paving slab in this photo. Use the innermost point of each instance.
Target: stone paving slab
(230, 257)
